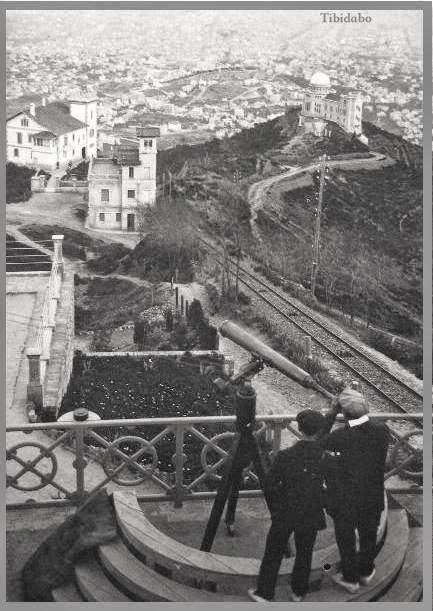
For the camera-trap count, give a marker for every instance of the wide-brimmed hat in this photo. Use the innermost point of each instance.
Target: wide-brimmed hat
(352, 403)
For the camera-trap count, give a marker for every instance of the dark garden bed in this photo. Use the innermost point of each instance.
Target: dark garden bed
(123, 387)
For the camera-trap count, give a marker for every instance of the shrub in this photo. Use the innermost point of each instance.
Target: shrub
(161, 259)
(195, 313)
(168, 315)
(109, 258)
(18, 183)
(213, 297)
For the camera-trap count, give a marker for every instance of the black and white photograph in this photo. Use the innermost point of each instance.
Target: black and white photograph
(214, 303)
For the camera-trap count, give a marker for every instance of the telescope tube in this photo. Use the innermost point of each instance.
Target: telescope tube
(268, 355)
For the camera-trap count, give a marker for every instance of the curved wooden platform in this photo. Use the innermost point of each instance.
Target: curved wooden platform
(146, 565)
(192, 566)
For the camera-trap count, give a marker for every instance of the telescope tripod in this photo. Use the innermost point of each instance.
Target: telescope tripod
(244, 450)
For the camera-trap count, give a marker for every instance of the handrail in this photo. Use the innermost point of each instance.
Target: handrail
(129, 458)
(278, 418)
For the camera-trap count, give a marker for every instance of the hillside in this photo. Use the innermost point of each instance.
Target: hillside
(275, 144)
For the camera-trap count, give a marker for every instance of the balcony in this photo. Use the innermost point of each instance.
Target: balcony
(162, 514)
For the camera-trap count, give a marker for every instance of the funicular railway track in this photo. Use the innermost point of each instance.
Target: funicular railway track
(387, 389)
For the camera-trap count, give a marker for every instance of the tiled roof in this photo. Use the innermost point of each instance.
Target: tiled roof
(54, 117)
(126, 154)
(148, 132)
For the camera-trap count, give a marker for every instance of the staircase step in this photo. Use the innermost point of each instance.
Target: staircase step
(67, 593)
(408, 585)
(144, 584)
(388, 563)
(187, 564)
(95, 586)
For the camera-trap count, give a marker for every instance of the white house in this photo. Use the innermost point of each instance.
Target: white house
(122, 184)
(51, 135)
(323, 102)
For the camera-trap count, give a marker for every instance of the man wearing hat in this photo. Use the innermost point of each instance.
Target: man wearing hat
(294, 488)
(354, 467)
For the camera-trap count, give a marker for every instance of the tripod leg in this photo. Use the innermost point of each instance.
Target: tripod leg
(233, 500)
(239, 466)
(221, 497)
(258, 465)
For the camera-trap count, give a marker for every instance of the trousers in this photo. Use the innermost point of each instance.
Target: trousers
(355, 565)
(276, 545)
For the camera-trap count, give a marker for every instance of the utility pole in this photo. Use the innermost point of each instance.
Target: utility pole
(316, 242)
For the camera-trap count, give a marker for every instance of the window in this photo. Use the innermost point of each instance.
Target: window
(147, 144)
(131, 194)
(131, 172)
(118, 217)
(30, 137)
(65, 140)
(105, 195)
(19, 138)
(39, 142)
(73, 152)
(16, 153)
(102, 217)
(73, 137)
(92, 133)
(91, 116)
(24, 122)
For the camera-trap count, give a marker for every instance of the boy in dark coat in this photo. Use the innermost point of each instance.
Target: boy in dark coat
(354, 467)
(294, 489)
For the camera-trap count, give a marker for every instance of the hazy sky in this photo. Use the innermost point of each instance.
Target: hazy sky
(268, 31)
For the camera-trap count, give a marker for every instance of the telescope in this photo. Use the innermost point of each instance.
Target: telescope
(245, 448)
(264, 355)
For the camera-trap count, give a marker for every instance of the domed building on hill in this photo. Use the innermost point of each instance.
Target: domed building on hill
(325, 102)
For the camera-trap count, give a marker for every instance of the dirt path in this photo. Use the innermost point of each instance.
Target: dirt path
(64, 209)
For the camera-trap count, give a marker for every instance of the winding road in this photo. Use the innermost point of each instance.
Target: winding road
(258, 191)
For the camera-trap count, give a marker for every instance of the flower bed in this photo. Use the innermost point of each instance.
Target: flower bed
(124, 387)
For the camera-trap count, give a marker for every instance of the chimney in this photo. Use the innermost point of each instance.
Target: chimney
(32, 109)
(44, 101)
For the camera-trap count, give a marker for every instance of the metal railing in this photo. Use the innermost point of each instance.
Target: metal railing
(163, 458)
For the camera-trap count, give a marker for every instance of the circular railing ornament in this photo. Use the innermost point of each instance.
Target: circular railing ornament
(30, 466)
(407, 456)
(211, 469)
(139, 447)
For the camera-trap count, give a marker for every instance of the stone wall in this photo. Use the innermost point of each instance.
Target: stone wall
(60, 362)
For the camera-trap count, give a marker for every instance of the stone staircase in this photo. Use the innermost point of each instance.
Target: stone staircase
(145, 564)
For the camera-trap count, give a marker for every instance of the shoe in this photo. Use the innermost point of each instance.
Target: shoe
(256, 598)
(349, 586)
(366, 580)
(296, 598)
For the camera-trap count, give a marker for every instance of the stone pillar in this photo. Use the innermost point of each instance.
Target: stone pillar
(308, 346)
(58, 252)
(34, 386)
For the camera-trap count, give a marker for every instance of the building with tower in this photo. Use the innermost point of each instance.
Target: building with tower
(52, 135)
(123, 183)
(324, 102)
